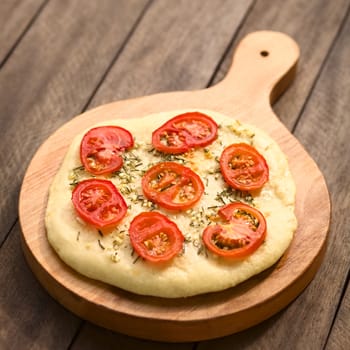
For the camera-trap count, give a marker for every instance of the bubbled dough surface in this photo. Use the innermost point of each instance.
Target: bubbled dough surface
(79, 245)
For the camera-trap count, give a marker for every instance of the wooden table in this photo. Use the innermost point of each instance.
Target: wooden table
(60, 58)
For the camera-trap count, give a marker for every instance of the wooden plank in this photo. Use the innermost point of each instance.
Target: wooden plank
(92, 337)
(29, 317)
(51, 77)
(176, 47)
(325, 118)
(314, 25)
(340, 337)
(15, 18)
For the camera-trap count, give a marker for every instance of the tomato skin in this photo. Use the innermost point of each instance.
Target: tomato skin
(172, 186)
(101, 149)
(184, 132)
(243, 167)
(154, 237)
(242, 233)
(99, 203)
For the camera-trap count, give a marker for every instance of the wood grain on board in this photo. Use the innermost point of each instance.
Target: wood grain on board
(314, 25)
(217, 314)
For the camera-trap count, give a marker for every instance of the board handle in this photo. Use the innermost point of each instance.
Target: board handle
(264, 64)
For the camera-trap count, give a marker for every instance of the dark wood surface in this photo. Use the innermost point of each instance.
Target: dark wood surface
(60, 58)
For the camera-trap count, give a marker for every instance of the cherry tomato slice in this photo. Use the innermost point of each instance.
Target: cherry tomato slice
(101, 149)
(243, 167)
(184, 132)
(99, 203)
(154, 237)
(241, 234)
(172, 186)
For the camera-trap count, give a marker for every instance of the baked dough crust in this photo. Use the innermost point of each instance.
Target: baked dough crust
(110, 258)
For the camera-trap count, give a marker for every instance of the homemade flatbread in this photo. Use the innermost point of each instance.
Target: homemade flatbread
(109, 257)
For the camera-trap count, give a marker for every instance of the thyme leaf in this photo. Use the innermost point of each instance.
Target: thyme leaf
(101, 245)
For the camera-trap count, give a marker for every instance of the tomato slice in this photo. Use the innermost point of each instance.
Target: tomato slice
(172, 186)
(99, 203)
(101, 149)
(154, 237)
(243, 167)
(241, 234)
(184, 132)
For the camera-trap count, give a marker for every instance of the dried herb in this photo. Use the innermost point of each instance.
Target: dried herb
(100, 244)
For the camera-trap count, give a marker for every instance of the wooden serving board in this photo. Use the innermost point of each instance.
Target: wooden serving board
(263, 66)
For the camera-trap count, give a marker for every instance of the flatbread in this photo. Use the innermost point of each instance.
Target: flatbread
(109, 257)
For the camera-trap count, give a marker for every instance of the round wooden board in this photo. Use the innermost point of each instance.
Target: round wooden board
(263, 66)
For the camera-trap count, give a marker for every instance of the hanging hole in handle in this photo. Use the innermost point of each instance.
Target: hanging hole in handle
(264, 53)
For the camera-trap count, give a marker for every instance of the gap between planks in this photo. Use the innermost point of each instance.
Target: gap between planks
(317, 77)
(24, 32)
